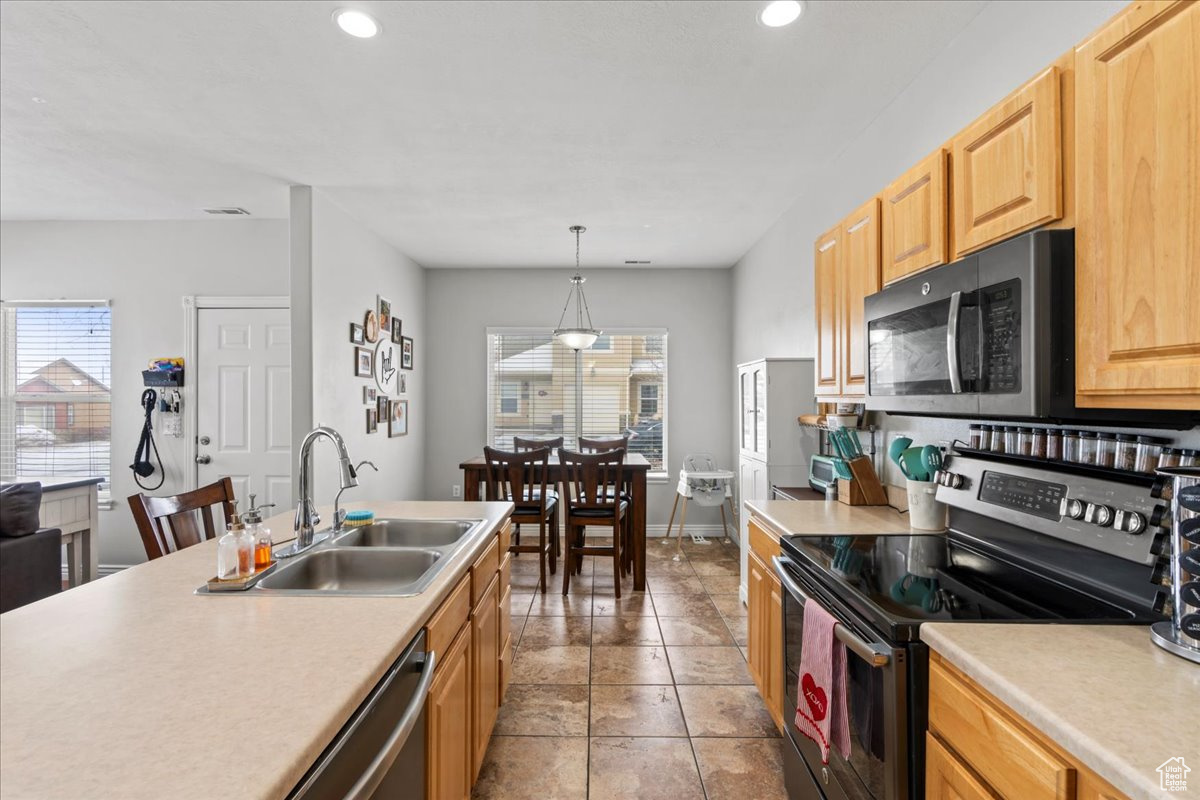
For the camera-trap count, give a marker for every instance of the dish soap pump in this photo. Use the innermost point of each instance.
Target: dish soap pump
(260, 533)
(235, 551)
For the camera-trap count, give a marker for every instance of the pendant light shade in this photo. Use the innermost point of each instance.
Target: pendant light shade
(581, 336)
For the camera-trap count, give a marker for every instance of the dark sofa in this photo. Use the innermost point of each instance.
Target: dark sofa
(30, 558)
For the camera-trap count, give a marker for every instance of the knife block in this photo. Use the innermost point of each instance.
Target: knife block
(865, 489)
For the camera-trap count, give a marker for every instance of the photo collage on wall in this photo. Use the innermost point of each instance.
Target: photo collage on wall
(383, 354)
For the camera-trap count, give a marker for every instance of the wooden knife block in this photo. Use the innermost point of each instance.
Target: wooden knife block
(865, 489)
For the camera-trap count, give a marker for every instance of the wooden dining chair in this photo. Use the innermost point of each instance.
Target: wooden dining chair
(521, 443)
(591, 494)
(521, 479)
(604, 445)
(169, 524)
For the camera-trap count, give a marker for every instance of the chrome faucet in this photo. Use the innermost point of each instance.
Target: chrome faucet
(306, 511)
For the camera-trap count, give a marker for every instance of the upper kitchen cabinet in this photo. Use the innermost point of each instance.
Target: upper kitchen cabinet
(1006, 167)
(914, 219)
(859, 277)
(826, 268)
(1137, 277)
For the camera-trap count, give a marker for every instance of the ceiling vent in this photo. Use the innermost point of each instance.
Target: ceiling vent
(232, 211)
(631, 262)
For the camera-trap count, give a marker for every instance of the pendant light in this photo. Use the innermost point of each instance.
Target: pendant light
(579, 337)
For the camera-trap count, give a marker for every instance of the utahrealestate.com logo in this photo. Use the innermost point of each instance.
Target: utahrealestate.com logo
(1172, 775)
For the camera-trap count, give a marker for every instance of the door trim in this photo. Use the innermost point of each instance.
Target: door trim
(191, 321)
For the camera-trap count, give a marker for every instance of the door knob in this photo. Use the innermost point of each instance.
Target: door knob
(203, 459)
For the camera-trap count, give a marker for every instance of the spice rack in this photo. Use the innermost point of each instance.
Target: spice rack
(1107, 473)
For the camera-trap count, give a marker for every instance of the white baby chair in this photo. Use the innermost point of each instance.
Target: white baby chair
(702, 482)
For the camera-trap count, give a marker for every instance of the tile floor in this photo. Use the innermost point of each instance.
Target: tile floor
(643, 697)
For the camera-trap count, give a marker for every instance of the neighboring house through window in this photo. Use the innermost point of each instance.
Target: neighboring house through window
(649, 400)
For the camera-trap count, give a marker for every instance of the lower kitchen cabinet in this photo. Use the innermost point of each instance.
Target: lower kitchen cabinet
(450, 767)
(485, 630)
(947, 778)
(764, 605)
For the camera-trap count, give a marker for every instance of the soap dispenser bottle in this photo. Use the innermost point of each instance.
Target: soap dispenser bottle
(234, 558)
(260, 533)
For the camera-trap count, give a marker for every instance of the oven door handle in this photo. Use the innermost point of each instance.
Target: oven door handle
(874, 655)
(952, 343)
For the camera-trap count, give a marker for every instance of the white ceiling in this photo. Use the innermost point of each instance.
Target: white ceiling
(468, 133)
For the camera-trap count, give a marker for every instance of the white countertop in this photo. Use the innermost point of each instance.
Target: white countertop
(821, 518)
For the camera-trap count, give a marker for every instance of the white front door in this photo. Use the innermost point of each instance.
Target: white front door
(244, 402)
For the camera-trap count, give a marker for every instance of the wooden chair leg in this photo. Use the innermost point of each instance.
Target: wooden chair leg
(682, 522)
(542, 554)
(580, 540)
(671, 521)
(568, 563)
(517, 538)
(552, 531)
(724, 523)
(617, 554)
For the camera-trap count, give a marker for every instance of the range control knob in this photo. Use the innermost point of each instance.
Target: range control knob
(1160, 517)
(1075, 509)
(1161, 573)
(1133, 523)
(951, 480)
(1098, 514)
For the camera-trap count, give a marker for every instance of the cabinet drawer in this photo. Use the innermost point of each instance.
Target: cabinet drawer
(506, 659)
(763, 543)
(947, 778)
(505, 570)
(484, 570)
(445, 623)
(505, 611)
(505, 536)
(1008, 758)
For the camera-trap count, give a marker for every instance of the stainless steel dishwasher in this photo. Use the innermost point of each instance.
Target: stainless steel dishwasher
(380, 752)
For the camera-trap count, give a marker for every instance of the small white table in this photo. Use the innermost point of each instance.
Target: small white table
(71, 505)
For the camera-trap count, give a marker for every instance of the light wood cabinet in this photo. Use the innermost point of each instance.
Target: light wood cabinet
(826, 268)
(449, 765)
(485, 680)
(1137, 276)
(947, 778)
(914, 219)
(764, 607)
(1006, 167)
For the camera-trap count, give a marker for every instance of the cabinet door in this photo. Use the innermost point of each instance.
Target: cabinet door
(756, 594)
(1006, 167)
(858, 278)
(946, 778)
(485, 680)
(1137, 272)
(746, 381)
(760, 411)
(914, 219)
(826, 268)
(449, 766)
(773, 648)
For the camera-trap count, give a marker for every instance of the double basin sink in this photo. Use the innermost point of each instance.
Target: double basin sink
(388, 558)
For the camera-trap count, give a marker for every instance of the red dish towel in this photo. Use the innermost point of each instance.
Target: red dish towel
(822, 713)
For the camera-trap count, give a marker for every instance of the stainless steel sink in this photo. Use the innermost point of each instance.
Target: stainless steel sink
(353, 571)
(407, 533)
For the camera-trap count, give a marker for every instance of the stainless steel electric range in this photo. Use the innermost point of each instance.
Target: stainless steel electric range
(1028, 542)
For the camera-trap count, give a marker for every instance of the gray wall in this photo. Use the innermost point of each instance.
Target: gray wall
(145, 269)
(692, 304)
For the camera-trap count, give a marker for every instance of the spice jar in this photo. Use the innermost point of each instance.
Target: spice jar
(1024, 441)
(1106, 450)
(1168, 458)
(1087, 448)
(985, 437)
(1054, 439)
(1126, 452)
(1148, 450)
(1010, 439)
(997, 439)
(1070, 446)
(1038, 447)
(975, 438)
(1189, 458)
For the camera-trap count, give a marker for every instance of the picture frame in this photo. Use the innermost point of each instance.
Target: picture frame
(381, 407)
(357, 334)
(406, 352)
(398, 419)
(368, 395)
(397, 330)
(402, 384)
(371, 326)
(372, 421)
(384, 306)
(364, 362)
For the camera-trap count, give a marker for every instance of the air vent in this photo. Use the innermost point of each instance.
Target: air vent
(232, 211)
(632, 262)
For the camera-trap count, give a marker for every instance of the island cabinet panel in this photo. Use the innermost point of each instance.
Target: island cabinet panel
(449, 764)
(914, 219)
(1137, 274)
(826, 266)
(1006, 167)
(485, 639)
(764, 607)
(859, 277)
(947, 778)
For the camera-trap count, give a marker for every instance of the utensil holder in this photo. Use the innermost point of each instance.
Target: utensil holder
(1181, 634)
(925, 512)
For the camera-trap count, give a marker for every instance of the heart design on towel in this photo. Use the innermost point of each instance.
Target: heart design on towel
(815, 697)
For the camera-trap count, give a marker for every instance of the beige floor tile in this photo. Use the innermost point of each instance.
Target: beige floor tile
(633, 604)
(727, 568)
(547, 631)
(626, 631)
(671, 584)
(643, 665)
(636, 711)
(736, 711)
(721, 665)
(521, 767)
(700, 629)
(554, 604)
(739, 627)
(683, 605)
(741, 769)
(543, 665)
(521, 602)
(730, 605)
(715, 550)
(518, 625)
(531, 710)
(647, 769)
(677, 568)
(720, 584)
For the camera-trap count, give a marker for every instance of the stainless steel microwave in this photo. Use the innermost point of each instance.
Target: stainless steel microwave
(989, 335)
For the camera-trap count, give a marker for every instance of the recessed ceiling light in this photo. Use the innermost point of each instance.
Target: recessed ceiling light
(357, 23)
(780, 13)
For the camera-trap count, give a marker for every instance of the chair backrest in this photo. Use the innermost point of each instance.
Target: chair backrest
(516, 477)
(606, 445)
(168, 524)
(520, 443)
(591, 481)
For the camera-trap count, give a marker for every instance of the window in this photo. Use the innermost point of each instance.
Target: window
(56, 403)
(537, 387)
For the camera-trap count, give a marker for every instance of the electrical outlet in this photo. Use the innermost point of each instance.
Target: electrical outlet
(456, 490)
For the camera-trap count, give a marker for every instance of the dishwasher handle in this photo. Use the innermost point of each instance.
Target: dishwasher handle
(374, 774)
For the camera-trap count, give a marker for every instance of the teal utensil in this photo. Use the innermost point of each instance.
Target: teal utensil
(911, 464)
(898, 446)
(842, 469)
(858, 449)
(931, 460)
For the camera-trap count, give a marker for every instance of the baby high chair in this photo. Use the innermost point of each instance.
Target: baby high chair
(702, 482)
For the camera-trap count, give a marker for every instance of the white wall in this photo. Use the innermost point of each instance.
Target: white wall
(692, 304)
(350, 266)
(145, 269)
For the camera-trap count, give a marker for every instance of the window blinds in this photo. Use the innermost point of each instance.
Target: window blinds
(55, 395)
(533, 382)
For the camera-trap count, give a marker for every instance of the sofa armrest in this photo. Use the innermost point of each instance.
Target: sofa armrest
(30, 567)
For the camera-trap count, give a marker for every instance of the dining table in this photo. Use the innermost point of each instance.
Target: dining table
(635, 469)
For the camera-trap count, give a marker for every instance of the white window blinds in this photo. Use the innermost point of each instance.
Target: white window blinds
(55, 397)
(533, 381)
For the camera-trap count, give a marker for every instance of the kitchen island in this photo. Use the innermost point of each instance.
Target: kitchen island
(135, 687)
